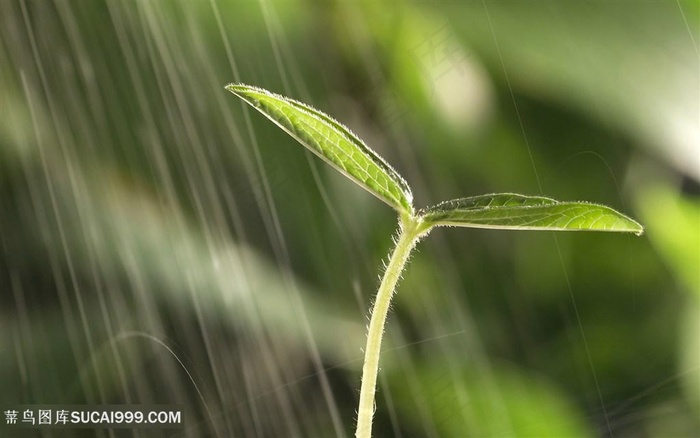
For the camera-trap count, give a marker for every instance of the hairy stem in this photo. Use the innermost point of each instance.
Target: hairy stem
(410, 233)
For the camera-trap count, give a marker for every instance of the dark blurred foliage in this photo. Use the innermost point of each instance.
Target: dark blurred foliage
(163, 244)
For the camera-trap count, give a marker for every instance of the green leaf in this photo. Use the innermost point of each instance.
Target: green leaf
(333, 142)
(510, 211)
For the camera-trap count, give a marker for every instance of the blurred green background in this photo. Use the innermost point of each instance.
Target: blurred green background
(163, 244)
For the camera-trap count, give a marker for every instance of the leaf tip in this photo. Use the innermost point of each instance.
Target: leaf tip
(248, 93)
(237, 88)
(631, 226)
(639, 231)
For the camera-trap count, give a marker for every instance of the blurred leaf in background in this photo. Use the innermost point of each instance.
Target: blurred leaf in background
(151, 227)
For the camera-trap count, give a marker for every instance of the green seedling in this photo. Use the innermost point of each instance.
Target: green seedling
(340, 148)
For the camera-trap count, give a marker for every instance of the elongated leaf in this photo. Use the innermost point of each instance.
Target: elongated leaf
(333, 142)
(516, 212)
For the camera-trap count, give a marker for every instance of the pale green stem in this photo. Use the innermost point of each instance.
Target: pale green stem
(409, 235)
